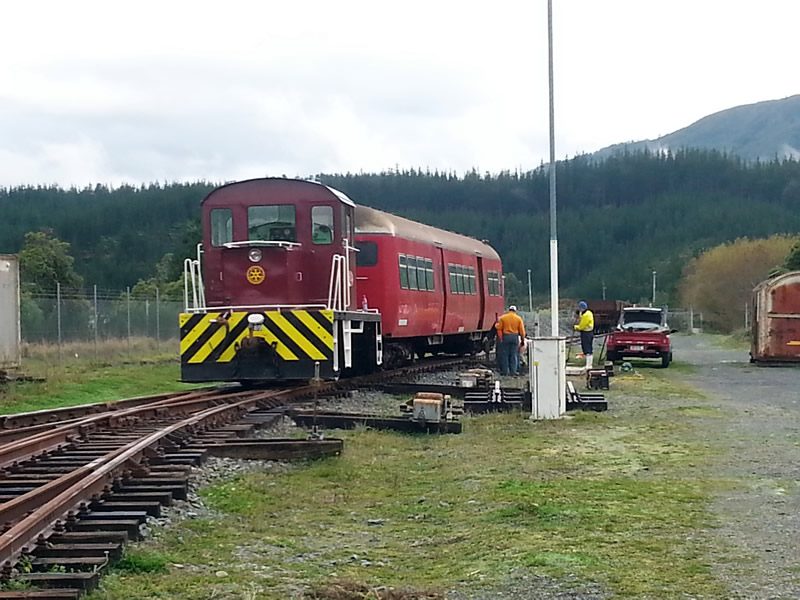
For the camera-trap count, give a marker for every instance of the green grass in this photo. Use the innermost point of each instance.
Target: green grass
(119, 372)
(738, 340)
(138, 562)
(79, 384)
(604, 497)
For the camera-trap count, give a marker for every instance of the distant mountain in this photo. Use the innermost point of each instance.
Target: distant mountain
(764, 130)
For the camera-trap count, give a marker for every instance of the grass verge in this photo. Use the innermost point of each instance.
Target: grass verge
(119, 372)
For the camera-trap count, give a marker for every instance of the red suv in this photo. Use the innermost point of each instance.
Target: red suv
(641, 333)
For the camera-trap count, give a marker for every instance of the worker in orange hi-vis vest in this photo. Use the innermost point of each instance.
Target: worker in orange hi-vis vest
(510, 334)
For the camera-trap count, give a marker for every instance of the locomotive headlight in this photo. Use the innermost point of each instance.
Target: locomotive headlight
(255, 319)
(255, 322)
(254, 255)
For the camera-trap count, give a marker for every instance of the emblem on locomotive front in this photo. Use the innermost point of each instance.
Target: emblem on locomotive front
(256, 275)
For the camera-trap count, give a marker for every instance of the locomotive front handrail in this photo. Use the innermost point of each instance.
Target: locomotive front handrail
(336, 299)
(192, 273)
(261, 243)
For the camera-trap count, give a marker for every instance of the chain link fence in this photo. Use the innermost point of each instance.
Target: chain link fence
(68, 316)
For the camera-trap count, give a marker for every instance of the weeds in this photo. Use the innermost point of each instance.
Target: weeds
(139, 562)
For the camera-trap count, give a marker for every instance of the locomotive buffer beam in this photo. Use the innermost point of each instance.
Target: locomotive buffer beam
(336, 420)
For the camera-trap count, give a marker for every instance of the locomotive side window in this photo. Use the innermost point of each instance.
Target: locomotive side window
(322, 225)
(221, 226)
(367, 255)
(272, 223)
(412, 272)
(403, 271)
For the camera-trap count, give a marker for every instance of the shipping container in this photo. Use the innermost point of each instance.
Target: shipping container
(9, 311)
(776, 320)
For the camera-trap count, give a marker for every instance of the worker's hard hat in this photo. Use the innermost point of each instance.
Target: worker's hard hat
(512, 307)
(582, 305)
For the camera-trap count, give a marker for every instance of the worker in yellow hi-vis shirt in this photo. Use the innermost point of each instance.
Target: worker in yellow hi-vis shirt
(585, 327)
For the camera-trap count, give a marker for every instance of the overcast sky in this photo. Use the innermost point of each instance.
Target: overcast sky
(121, 91)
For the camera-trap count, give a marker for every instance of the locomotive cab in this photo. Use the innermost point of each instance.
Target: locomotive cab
(270, 245)
(273, 286)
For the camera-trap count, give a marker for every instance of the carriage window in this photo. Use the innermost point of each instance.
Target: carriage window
(367, 255)
(451, 269)
(412, 272)
(460, 279)
(471, 274)
(421, 280)
(492, 283)
(322, 225)
(221, 226)
(429, 274)
(274, 223)
(403, 272)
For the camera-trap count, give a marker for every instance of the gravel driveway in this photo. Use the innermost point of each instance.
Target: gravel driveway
(759, 436)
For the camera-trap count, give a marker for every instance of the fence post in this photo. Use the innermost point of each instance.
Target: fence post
(58, 316)
(96, 321)
(158, 322)
(691, 319)
(128, 292)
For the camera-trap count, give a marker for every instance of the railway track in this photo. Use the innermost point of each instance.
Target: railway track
(77, 483)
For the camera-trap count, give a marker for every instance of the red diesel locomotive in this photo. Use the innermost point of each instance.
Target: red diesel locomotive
(293, 280)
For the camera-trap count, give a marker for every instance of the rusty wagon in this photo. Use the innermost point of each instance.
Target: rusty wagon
(776, 320)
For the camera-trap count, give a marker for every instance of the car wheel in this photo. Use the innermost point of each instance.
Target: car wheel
(666, 358)
(613, 356)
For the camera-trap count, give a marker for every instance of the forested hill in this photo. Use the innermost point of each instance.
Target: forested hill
(761, 131)
(618, 219)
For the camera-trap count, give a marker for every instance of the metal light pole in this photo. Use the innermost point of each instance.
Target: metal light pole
(554, 331)
(654, 287)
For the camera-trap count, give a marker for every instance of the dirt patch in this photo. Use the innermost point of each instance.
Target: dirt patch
(353, 590)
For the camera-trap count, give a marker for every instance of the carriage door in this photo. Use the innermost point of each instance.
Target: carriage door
(445, 284)
(481, 293)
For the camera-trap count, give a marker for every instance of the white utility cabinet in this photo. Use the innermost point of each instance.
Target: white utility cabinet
(547, 358)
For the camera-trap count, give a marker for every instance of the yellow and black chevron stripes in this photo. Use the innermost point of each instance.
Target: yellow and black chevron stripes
(295, 335)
